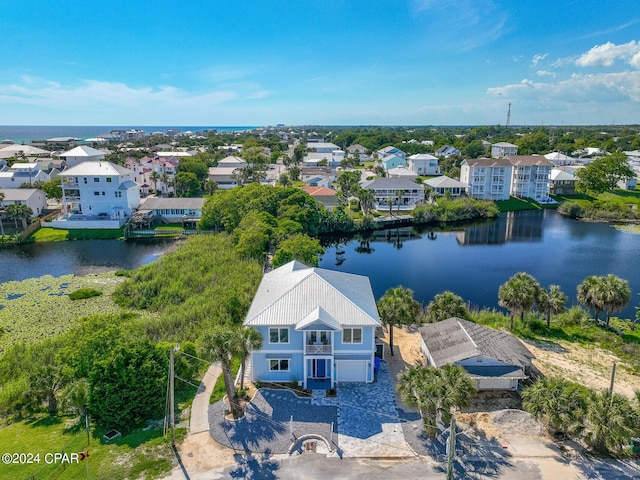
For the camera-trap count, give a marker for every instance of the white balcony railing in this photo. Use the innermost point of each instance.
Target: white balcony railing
(318, 349)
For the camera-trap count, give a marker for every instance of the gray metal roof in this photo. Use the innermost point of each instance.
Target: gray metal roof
(155, 203)
(395, 183)
(444, 182)
(455, 339)
(289, 294)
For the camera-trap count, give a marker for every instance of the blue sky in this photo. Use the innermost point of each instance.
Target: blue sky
(338, 62)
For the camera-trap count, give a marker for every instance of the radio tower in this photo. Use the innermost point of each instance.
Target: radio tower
(509, 116)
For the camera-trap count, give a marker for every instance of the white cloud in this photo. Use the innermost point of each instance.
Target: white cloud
(545, 73)
(606, 55)
(538, 57)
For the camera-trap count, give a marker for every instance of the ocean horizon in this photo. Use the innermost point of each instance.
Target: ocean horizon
(25, 134)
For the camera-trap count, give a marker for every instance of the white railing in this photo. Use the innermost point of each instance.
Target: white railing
(318, 349)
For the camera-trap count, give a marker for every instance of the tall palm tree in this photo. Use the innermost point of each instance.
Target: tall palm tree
(551, 302)
(518, 294)
(222, 343)
(590, 294)
(21, 212)
(366, 198)
(397, 307)
(399, 194)
(390, 203)
(616, 294)
(154, 177)
(165, 181)
(446, 305)
(252, 341)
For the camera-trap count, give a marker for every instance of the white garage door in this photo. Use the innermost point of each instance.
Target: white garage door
(351, 370)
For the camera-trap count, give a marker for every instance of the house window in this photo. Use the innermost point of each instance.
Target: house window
(352, 335)
(278, 335)
(118, 194)
(103, 193)
(96, 179)
(108, 179)
(279, 365)
(85, 180)
(96, 193)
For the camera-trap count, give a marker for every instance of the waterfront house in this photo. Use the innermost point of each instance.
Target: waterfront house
(403, 194)
(184, 211)
(493, 359)
(323, 195)
(487, 178)
(503, 149)
(97, 195)
(83, 153)
(318, 327)
(423, 164)
(33, 198)
(442, 185)
(562, 182)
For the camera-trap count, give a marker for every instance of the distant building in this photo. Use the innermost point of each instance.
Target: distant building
(81, 154)
(503, 149)
(443, 184)
(33, 198)
(562, 182)
(22, 174)
(487, 178)
(325, 196)
(530, 176)
(423, 164)
(447, 150)
(391, 150)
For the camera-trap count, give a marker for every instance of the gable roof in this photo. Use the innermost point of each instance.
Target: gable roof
(82, 151)
(488, 162)
(423, 156)
(444, 182)
(396, 183)
(159, 203)
(455, 339)
(290, 294)
(319, 191)
(97, 168)
(536, 160)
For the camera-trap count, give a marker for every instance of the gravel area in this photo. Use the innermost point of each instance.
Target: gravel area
(265, 426)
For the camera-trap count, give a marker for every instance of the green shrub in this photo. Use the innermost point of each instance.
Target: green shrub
(84, 293)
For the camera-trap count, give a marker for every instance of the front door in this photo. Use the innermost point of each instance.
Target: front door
(319, 368)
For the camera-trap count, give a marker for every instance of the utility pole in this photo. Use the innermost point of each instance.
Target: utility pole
(171, 396)
(613, 377)
(509, 116)
(451, 446)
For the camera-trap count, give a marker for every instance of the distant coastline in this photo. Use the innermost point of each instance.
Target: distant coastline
(25, 134)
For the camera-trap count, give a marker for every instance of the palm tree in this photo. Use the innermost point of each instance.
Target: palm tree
(435, 392)
(551, 302)
(611, 421)
(399, 194)
(222, 343)
(19, 212)
(165, 182)
(210, 186)
(366, 198)
(560, 404)
(154, 177)
(590, 294)
(398, 307)
(252, 341)
(446, 305)
(390, 203)
(518, 294)
(616, 294)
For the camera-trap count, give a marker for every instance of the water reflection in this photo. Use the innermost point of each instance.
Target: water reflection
(523, 227)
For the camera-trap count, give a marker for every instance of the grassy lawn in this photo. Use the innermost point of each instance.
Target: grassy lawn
(516, 204)
(617, 196)
(132, 456)
(48, 234)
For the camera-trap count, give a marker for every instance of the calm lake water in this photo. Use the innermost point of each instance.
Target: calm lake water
(80, 257)
(472, 261)
(475, 260)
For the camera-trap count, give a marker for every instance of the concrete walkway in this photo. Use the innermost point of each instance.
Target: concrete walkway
(200, 406)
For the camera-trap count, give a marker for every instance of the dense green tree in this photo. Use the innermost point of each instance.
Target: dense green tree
(366, 198)
(551, 302)
(187, 184)
(436, 393)
(560, 404)
(474, 149)
(603, 174)
(74, 398)
(616, 294)
(518, 294)
(253, 235)
(446, 305)
(537, 142)
(590, 294)
(52, 188)
(298, 247)
(128, 387)
(398, 307)
(348, 182)
(284, 180)
(611, 421)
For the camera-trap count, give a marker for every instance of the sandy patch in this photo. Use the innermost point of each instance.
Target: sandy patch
(199, 452)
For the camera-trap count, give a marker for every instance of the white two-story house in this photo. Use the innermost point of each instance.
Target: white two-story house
(503, 149)
(423, 164)
(402, 194)
(97, 195)
(318, 327)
